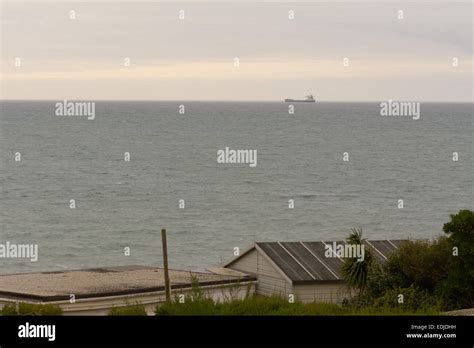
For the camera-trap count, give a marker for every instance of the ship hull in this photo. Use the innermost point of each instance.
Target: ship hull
(299, 101)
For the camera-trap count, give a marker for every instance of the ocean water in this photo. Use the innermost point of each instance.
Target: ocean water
(174, 156)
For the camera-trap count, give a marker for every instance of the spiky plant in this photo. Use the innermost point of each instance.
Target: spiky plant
(356, 271)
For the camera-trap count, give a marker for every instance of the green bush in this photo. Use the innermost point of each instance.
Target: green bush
(23, 308)
(422, 264)
(133, 310)
(457, 290)
(9, 309)
(189, 307)
(413, 299)
(436, 274)
(416, 270)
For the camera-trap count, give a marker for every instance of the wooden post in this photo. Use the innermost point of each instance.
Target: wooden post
(165, 265)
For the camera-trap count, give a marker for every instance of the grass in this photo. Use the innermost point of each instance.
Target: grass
(250, 306)
(257, 306)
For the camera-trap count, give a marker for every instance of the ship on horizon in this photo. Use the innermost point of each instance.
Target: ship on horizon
(309, 99)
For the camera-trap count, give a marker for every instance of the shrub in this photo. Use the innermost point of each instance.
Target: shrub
(435, 274)
(457, 289)
(9, 309)
(23, 308)
(133, 310)
(420, 263)
(413, 299)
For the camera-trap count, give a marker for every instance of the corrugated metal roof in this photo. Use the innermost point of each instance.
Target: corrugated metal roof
(284, 261)
(307, 261)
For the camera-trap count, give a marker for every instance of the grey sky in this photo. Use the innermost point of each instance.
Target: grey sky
(192, 59)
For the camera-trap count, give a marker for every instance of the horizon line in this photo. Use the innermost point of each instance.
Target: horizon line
(239, 100)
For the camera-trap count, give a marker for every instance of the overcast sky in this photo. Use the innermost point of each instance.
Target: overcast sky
(193, 58)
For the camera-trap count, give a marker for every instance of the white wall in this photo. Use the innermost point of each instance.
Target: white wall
(270, 281)
(333, 292)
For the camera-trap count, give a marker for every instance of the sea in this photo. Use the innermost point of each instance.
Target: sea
(97, 192)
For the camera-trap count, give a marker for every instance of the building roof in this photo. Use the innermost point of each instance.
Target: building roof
(102, 282)
(306, 262)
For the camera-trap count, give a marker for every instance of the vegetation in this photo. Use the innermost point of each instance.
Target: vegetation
(198, 303)
(132, 310)
(355, 271)
(31, 309)
(428, 274)
(457, 289)
(275, 305)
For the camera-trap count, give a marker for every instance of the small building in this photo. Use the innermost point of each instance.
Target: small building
(303, 269)
(97, 291)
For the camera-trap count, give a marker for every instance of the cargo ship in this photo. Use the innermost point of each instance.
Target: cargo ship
(309, 99)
